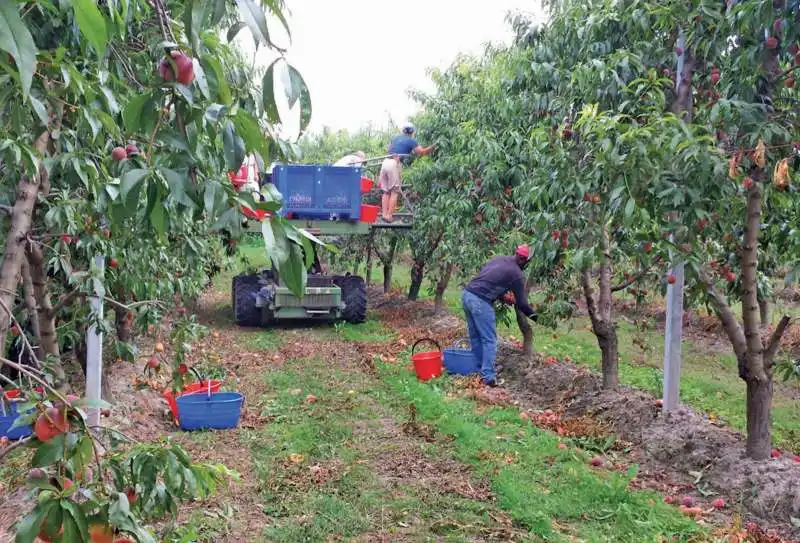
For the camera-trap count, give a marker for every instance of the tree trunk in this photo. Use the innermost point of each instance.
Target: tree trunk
(759, 406)
(525, 326)
(764, 311)
(526, 330)
(123, 326)
(756, 374)
(387, 277)
(14, 248)
(30, 305)
(370, 244)
(388, 264)
(441, 287)
(601, 314)
(79, 349)
(47, 314)
(609, 349)
(417, 276)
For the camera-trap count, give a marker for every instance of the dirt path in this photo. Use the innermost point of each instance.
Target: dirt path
(324, 453)
(339, 443)
(313, 427)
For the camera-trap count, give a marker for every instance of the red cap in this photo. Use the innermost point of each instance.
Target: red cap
(523, 251)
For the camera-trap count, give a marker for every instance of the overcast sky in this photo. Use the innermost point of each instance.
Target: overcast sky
(359, 57)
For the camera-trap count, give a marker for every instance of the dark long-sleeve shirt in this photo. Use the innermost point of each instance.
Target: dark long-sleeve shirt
(498, 276)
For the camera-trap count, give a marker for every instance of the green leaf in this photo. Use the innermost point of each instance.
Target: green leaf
(630, 207)
(92, 24)
(278, 12)
(16, 40)
(119, 511)
(132, 181)
(293, 271)
(91, 404)
(113, 105)
(220, 6)
(268, 94)
(290, 88)
(178, 187)
(28, 528)
(252, 14)
(233, 147)
(235, 29)
(186, 92)
(230, 220)
(94, 123)
(159, 219)
(274, 241)
(76, 528)
(305, 98)
(194, 16)
(40, 109)
(132, 113)
(49, 452)
(200, 77)
(83, 453)
(218, 81)
(212, 195)
(250, 131)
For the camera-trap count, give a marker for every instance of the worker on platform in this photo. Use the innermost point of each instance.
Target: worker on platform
(498, 276)
(354, 159)
(401, 148)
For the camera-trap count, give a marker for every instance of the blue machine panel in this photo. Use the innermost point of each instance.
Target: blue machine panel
(319, 192)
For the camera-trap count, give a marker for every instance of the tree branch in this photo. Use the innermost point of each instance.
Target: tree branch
(588, 294)
(16, 445)
(729, 322)
(66, 300)
(775, 341)
(635, 277)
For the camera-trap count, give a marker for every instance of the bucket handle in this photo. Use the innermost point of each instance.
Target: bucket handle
(459, 343)
(429, 340)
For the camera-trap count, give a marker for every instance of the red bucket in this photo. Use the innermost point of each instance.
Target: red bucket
(15, 393)
(366, 184)
(193, 388)
(257, 214)
(427, 365)
(369, 213)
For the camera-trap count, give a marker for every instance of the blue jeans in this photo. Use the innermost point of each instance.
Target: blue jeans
(482, 333)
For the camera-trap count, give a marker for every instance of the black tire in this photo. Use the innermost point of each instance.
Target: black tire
(245, 312)
(354, 296)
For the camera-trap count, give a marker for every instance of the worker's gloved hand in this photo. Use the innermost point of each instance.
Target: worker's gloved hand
(508, 298)
(534, 316)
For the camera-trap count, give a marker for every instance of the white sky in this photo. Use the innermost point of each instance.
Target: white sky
(359, 57)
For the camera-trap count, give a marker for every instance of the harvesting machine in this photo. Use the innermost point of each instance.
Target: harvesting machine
(325, 201)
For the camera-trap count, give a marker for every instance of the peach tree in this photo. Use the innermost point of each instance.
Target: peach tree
(625, 165)
(121, 121)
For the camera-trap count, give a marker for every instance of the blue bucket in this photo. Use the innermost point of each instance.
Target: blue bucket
(7, 419)
(459, 359)
(215, 411)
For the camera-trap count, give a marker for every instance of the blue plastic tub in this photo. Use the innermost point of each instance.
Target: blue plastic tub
(7, 421)
(319, 192)
(215, 411)
(460, 360)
